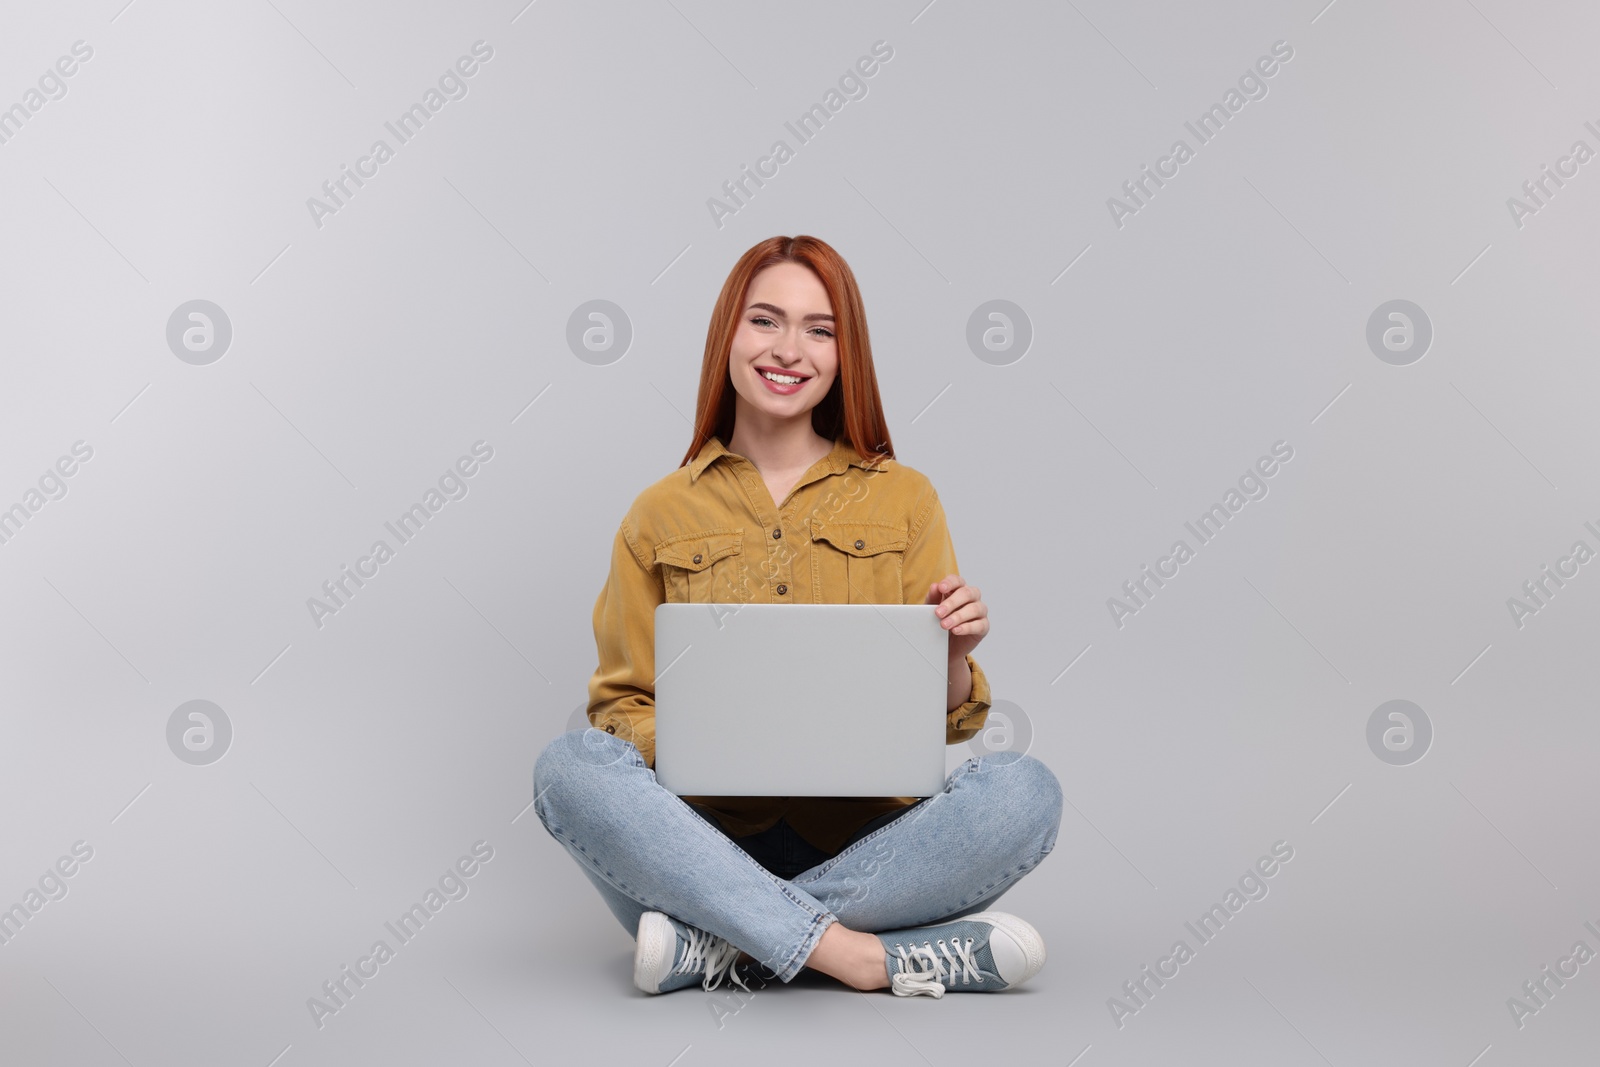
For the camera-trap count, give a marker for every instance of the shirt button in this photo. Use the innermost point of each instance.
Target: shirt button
(777, 533)
(859, 545)
(697, 555)
(782, 589)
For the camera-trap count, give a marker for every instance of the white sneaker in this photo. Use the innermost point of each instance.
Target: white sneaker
(984, 952)
(674, 955)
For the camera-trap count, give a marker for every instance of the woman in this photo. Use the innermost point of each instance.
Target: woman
(777, 501)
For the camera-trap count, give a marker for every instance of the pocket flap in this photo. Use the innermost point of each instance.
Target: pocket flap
(696, 552)
(860, 538)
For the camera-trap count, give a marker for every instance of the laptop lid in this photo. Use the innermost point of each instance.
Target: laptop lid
(842, 700)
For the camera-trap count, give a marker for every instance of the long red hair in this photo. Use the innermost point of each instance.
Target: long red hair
(852, 407)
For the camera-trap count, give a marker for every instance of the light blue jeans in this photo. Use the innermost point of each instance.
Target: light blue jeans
(646, 849)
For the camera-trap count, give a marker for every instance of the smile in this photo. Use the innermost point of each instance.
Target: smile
(782, 383)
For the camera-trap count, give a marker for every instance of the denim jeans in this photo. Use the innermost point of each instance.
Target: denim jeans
(646, 849)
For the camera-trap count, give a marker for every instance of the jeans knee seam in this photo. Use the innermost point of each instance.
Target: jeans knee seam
(611, 878)
(1007, 879)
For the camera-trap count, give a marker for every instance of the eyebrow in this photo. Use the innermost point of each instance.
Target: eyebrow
(778, 311)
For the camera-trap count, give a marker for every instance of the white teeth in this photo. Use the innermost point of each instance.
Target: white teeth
(781, 379)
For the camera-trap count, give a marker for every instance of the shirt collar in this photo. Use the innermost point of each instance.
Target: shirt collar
(843, 455)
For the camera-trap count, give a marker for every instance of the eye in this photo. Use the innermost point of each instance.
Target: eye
(757, 320)
(825, 331)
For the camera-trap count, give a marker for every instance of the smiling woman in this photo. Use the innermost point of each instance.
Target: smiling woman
(782, 351)
(790, 493)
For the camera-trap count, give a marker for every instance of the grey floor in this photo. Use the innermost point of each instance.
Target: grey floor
(1394, 935)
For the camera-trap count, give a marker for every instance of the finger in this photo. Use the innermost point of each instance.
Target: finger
(973, 619)
(962, 596)
(971, 628)
(958, 616)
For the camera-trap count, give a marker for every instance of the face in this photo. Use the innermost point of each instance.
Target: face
(786, 326)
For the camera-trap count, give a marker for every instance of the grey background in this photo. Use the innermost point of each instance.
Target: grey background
(1167, 355)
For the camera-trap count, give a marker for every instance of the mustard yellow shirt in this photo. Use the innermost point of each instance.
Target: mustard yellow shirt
(710, 532)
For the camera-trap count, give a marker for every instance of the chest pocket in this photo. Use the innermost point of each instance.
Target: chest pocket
(858, 562)
(704, 568)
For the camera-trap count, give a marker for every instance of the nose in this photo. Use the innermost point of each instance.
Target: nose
(782, 342)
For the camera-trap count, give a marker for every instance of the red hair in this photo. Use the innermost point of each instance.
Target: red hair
(852, 407)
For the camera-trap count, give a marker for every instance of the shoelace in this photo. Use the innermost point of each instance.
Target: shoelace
(714, 954)
(922, 971)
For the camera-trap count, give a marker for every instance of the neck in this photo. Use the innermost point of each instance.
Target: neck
(793, 446)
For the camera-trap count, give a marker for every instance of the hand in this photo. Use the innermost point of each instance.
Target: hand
(962, 612)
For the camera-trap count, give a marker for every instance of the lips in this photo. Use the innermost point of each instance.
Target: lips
(785, 373)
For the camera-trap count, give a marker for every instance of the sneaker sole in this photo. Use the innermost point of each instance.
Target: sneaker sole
(652, 956)
(1023, 933)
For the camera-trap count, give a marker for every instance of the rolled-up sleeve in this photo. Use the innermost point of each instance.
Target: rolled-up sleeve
(930, 556)
(622, 698)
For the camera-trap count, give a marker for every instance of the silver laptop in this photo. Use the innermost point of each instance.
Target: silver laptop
(843, 700)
